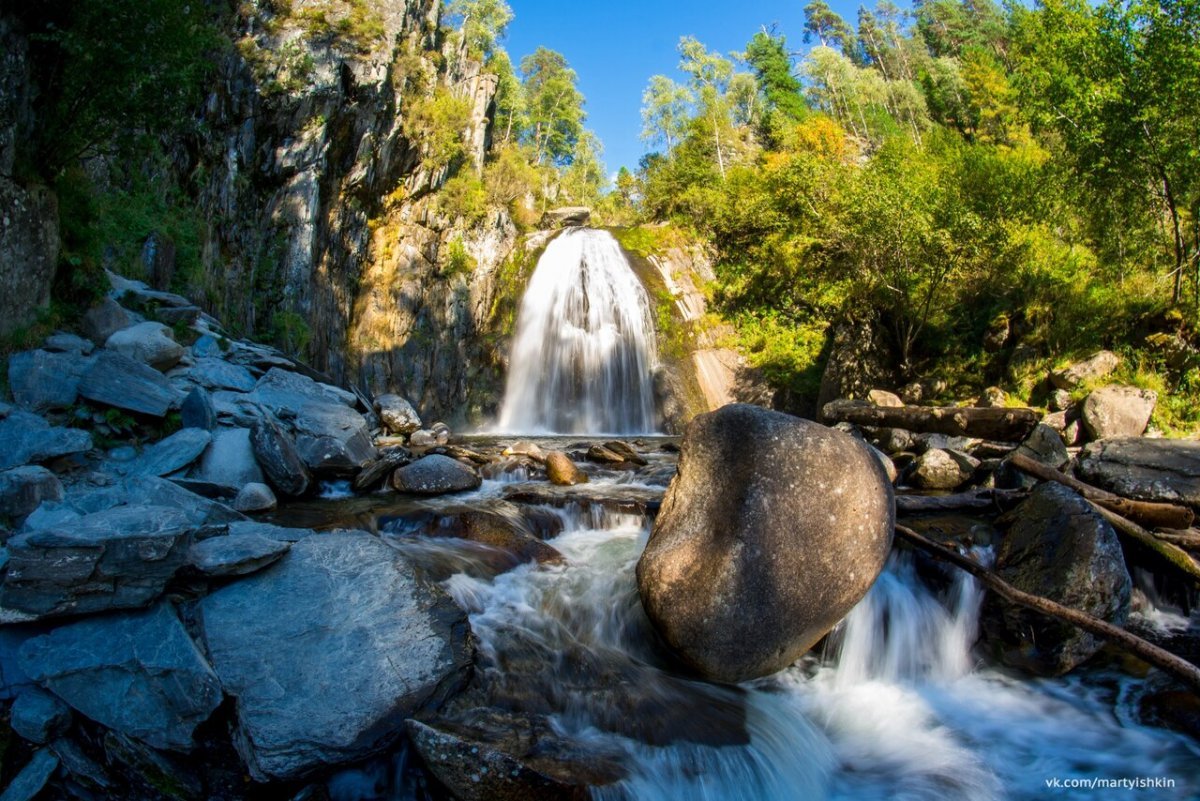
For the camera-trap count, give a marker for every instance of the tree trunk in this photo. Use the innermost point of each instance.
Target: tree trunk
(1005, 425)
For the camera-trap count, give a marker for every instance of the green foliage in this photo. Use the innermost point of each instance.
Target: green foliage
(439, 123)
(554, 106)
(482, 23)
(290, 333)
(360, 26)
(464, 197)
(768, 56)
(458, 260)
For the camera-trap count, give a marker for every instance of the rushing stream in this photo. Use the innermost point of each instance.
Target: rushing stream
(895, 705)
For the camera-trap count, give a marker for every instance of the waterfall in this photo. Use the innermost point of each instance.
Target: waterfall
(583, 355)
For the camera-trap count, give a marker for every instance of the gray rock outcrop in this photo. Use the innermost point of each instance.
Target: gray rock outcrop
(41, 380)
(147, 343)
(1118, 411)
(171, 454)
(24, 488)
(773, 528)
(117, 380)
(1094, 367)
(28, 251)
(137, 673)
(236, 554)
(435, 475)
(364, 643)
(1145, 469)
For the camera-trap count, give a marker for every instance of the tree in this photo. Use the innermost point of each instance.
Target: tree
(827, 27)
(510, 99)
(482, 23)
(666, 107)
(584, 180)
(709, 75)
(767, 56)
(439, 123)
(554, 106)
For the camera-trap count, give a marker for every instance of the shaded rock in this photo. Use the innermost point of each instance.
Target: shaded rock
(993, 398)
(207, 347)
(236, 554)
(214, 374)
(1043, 445)
(1073, 434)
(366, 644)
(1057, 421)
(383, 466)
(39, 716)
(229, 460)
(148, 343)
(275, 452)
(116, 380)
(40, 380)
(28, 438)
(496, 531)
(197, 410)
(158, 260)
(32, 778)
(938, 469)
(84, 778)
(105, 319)
(435, 475)
(62, 342)
(331, 437)
(1060, 400)
(423, 439)
(119, 558)
(137, 673)
(397, 414)
(1095, 367)
(511, 757)
(562, 471)
(255, 497)
(171, 454)
(1062, 549)
(601, 454)
(280, 387)
(24, 488)
(772, 530)
(889, 467)
(1165, 470)
(881, 397)
(860, 359)
(896, 440)
(566, 216)
(29, 241)
(912, 393)
(626, 451)
(1117, 411)
(270, 531)
(157, 772)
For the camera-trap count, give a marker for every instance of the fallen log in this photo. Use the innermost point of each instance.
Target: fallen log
(971, 500)
(1147, 513)
(1148, 652)
(1009, 425)
(1172, 554)
(1188, 540)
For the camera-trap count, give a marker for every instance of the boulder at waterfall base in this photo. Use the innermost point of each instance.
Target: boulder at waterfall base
(772, 530)
(561, 470)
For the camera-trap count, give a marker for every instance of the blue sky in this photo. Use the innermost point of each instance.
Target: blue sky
(616, 46)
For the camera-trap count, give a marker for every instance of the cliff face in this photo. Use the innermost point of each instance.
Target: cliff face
(319, 205)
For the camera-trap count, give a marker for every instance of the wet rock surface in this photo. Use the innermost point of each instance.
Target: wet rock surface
(1146, 469)
(435, 475)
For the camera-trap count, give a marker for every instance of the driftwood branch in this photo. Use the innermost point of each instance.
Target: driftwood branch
(1148, 652)
(1146, 513)
(1173, 554)
(976, 499)
(1008, 425)
(1188, 540)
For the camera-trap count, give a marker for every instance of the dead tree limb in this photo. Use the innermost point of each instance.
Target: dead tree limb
(1008, 425)
(1146, 513)
(1148, 652)
(1173, 554)
(976, 499)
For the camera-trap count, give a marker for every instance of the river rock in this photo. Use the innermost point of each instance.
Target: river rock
(772, 530)
(422, 438)
(137, 673)
(171, 454)
(381, 467)
(276, 453)
(117, 380)
(119, 558)
(255, 497)
(1118, 411)
(41, 380)
(364, 644)
(938, 469)
(993, 398)
(1044, 445)
(499, 532)
(625, 450)
(219, 374)
(24, 488)
(105, 319)
(896, 440)
(236, 554)
(229, 460)
(331, 437)
(28, 438)
(149, 343)
(1093, 368)
(435, 475)
(881, 397)
(1165, 470)
(561, 470)
(397, 414)
(197, 410)
(32, 779)
(62, 342)
(525, 448)
(38, 716)
(603, 455)
(1059, 548)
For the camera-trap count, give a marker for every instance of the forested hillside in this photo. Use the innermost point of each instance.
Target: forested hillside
(986, 190)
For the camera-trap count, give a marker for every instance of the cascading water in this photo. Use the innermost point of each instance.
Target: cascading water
(583, 356)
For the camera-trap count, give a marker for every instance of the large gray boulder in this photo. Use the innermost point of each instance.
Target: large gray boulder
(229, 460)
(1146, 469)
(148, 343)
(331, 437)
(117, 380)
(27, 438)
(435, 475)
(329, 650)
(171, 454)
(105, 319)
(1118, 411)
(276, 453)
(1062, 549)
(938, 469)
(41, 380)
(1093, 368)
(24, 488)
(397, 414)
(136, 673)
(119, 558)
(214, 374)
(773, 528)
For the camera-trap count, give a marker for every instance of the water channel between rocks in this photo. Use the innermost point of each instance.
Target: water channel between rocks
(894, 704)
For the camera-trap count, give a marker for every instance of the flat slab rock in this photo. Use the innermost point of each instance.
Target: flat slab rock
(27, 438)
(235, 554)
(329, 650)
(137, 673)
(1165, 470)
(117, 380)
